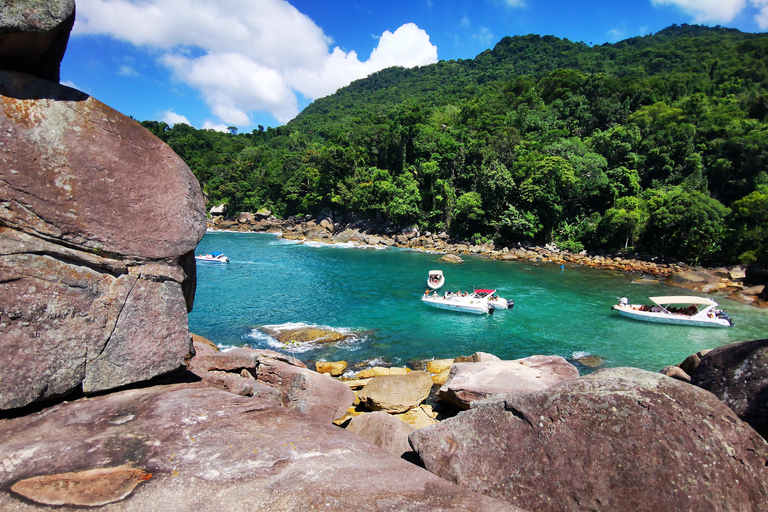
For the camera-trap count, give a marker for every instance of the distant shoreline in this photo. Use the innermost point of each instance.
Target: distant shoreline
(324, 230)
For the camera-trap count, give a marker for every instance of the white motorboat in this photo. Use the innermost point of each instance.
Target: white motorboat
(479, 302)
(677, 310)
(435, 279)
(213, 256)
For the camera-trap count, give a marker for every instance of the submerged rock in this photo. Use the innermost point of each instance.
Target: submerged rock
(306, 335)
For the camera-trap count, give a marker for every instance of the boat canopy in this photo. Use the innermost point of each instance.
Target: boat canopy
(487, 292)
(216, 253)
(435, 272)
(682, 299)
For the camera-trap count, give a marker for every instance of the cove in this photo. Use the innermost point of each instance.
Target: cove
(375, 295)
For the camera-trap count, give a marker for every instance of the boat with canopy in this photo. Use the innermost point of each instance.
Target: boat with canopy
(677, 310)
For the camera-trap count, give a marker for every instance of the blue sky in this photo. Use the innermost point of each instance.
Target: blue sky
(244, 63)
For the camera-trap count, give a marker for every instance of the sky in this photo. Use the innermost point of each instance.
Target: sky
(215, 64)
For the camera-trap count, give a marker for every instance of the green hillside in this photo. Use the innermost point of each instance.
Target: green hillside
(656, 144)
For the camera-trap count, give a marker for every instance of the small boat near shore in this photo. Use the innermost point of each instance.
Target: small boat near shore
(435, 279)
(213, 256)
(478, 302)
(676, 310)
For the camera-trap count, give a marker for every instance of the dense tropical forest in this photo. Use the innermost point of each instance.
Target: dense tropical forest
(655, 144)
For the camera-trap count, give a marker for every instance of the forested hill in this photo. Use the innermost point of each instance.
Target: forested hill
(656, 144)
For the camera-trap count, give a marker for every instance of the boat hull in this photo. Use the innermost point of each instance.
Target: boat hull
(212, 260)
(478, 307)
(671, 318)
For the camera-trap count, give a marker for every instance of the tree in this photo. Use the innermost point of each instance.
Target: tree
(626, 220)
(686, 224)
(546, 186)
(468, 212)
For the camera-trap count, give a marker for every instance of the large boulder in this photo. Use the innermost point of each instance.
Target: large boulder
(277, 377)
(469, 382)
(98, 222)
(383, 430)
(197, 448)
(696, 280)
(317, 395)
(396, 393)
(34, 35)
(738, 375)
(617, 439)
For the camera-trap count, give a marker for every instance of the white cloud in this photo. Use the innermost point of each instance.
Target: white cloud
(408, 46)
(484, 37)
(245, 56)
(208, 125)
(617, 34)
(126, 70)
(707, 11)
(762, 16)
(170, 117)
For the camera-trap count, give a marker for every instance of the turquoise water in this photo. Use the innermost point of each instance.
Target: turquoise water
(375, 294)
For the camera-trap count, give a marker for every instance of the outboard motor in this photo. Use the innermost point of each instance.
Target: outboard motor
(725, 316)
(510, 304)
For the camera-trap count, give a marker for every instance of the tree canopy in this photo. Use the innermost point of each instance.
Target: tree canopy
(656, 143)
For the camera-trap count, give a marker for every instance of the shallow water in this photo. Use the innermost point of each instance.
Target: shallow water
(375, 294)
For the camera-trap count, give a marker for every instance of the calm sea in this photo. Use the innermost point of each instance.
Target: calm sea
(375, 295)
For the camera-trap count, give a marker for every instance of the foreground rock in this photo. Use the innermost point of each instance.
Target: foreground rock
(274, 376)
(618, 439)
(738, 375)
(469, 382)
(220, 451)
(89, 298)
(383, 430)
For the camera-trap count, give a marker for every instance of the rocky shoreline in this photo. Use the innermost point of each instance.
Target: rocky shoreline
(747, 285)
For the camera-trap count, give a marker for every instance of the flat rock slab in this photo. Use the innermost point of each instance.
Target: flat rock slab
(211, 450)
(469, 382)
(89, 488)
(617, 439)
